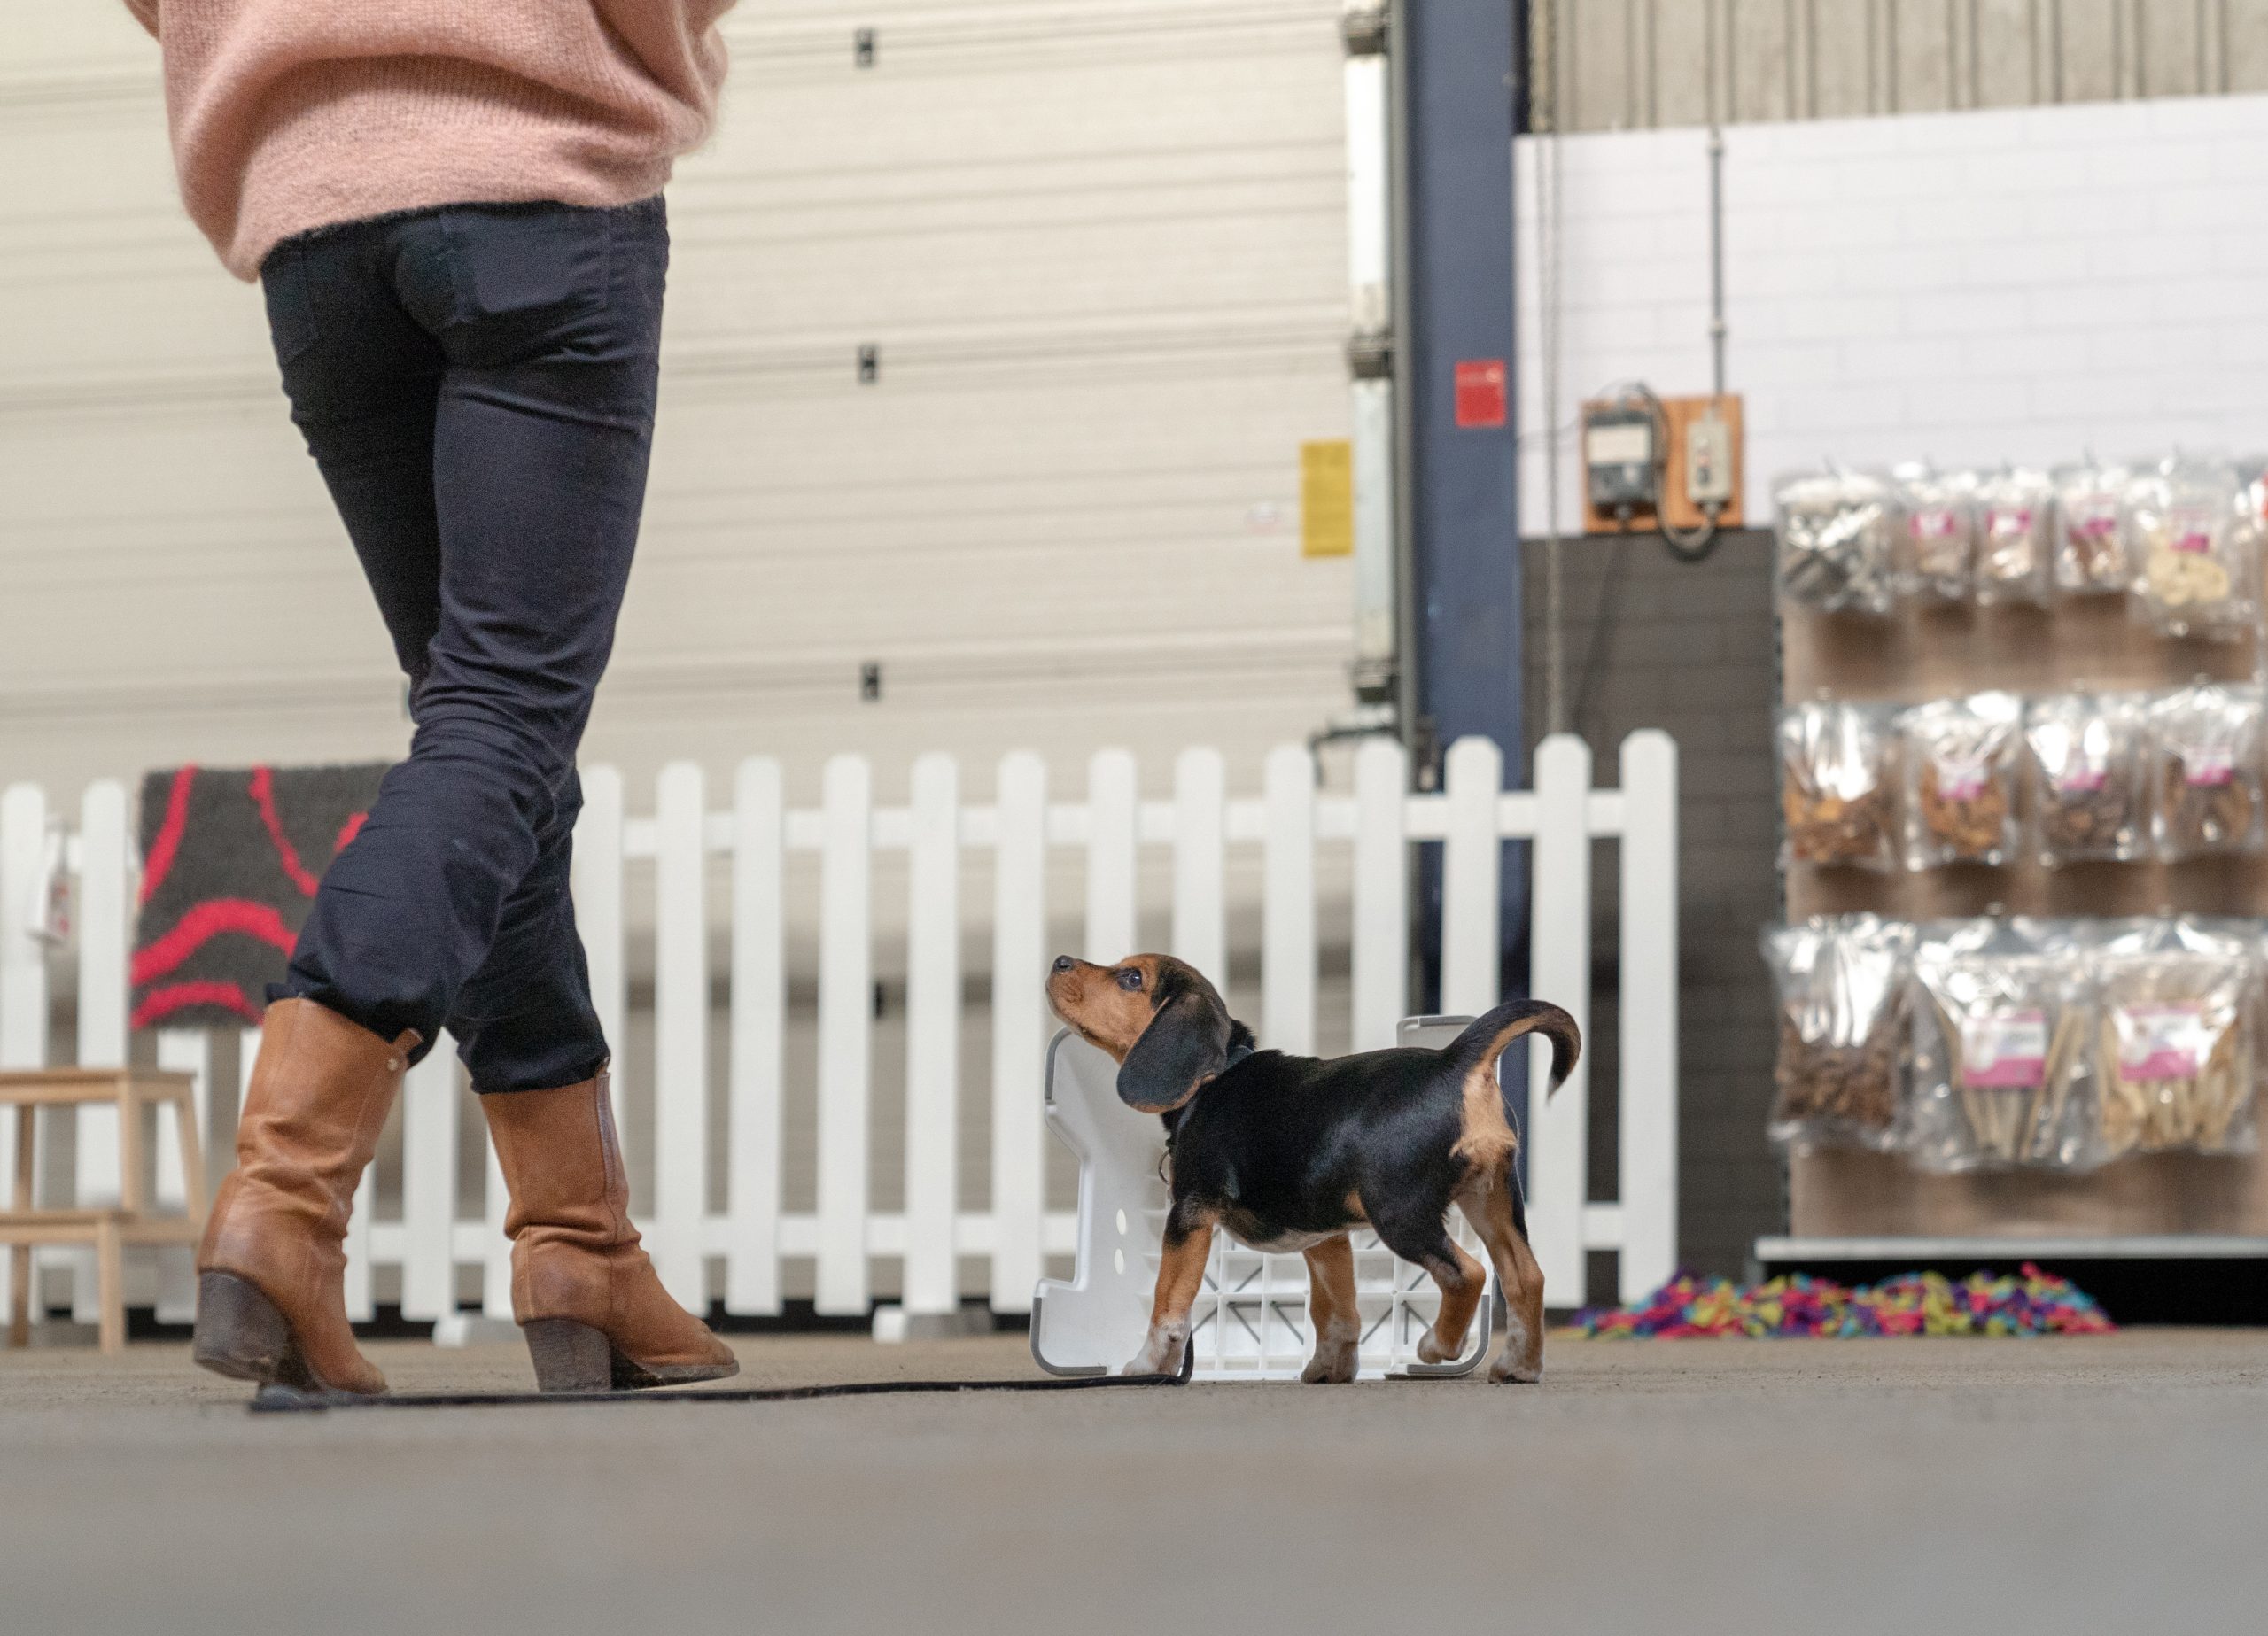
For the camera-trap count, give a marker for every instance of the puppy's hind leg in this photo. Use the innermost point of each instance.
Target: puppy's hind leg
(1181, 1275)
(1460, 1299)
(1332, 1313)
(1460, 1277)
(1492, 1208)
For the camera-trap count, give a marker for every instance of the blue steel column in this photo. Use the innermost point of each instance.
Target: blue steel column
(1458, 71)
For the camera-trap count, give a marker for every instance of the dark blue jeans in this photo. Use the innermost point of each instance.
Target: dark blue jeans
(477, 385)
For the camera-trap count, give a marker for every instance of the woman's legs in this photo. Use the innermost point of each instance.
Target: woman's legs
(477, 385)
(450, 907)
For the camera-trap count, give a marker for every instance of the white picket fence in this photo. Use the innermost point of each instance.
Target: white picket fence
(761, 840)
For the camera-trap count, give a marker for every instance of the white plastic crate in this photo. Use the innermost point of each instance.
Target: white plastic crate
(1251, 1320)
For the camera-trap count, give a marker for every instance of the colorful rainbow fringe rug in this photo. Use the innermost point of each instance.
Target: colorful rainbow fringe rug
(1686, 1308)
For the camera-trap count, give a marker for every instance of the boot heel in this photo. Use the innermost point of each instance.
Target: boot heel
(569, 1356)
(240, 1333)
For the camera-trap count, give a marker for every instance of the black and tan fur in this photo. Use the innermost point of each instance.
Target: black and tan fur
(1290, 1153)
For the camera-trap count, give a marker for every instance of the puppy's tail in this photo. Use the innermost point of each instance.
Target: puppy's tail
(1486, 1040)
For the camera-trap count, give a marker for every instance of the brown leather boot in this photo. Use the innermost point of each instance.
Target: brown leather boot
(271, 1288)
(595, 1315)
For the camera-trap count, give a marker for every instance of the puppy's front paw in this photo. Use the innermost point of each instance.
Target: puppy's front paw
(1334, 1364)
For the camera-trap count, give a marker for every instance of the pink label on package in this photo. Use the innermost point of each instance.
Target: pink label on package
(2190, 531)
(2096, 520)
(1960, 780)
(2004, 1050)
(2210, 769)
(1935, 523)
(2083, 778)
(2014, 522)
(2160, 1041)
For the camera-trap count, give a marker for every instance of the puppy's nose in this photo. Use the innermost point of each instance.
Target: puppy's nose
(1064, 962)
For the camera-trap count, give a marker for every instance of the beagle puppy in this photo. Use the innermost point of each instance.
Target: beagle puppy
(1288, 1153)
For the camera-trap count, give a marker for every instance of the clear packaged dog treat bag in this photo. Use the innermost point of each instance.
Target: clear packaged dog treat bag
(2251, 475)
(2195, 550)
(1941, 529)
(1837, 535)
(2178, 1028)
(2000, 1022)
(2015, 539)
(2256, 931)
(2090, 545)
(1962, 757)
(2090, 776)
(1845, 1031)
(1838, 784)
(2206, 771)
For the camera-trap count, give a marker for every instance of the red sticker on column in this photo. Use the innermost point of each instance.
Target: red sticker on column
(1480, 392)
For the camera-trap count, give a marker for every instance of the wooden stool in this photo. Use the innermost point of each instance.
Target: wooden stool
(109, 1230)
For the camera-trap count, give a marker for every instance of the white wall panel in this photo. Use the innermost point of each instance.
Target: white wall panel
(1968, 288)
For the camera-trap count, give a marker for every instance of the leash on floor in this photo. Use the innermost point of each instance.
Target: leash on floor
(273, 1399)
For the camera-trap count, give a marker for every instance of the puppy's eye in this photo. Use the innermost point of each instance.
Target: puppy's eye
(1131, 981)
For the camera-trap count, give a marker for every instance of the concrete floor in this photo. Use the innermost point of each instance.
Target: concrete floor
(2113, 1484)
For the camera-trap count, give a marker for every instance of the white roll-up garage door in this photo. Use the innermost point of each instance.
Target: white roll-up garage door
(1094, 252)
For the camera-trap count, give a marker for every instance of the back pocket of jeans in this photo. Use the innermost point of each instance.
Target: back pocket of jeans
(291, 303)
(520, 265)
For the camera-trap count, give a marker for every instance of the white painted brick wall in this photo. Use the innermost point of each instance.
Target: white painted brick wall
(2022, 284)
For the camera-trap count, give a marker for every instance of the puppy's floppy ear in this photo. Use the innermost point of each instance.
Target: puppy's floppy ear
(1186, 1044)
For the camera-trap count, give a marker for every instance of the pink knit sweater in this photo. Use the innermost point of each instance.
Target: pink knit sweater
(292, 114)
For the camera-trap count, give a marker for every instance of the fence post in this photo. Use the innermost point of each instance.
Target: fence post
(1111, 837)
(1473, 773)
(595, 882)
(846, 998)
(105, 906)
(23, 965)
(758, 1025)
(933, 1037)
(361, 1307)
(186, 1051)
(680, 1033)
(1287, 955)
(1381, 893)
(1647, 1065)
(232, 1096)
(1559, 965)
(1199, 910)
(496, 1260)
(1019, 1028)
(429, 1186)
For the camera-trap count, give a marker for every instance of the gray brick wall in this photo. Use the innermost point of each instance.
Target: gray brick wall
(1690, 649)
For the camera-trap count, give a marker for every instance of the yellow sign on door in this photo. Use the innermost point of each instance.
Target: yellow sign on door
(1327, 499)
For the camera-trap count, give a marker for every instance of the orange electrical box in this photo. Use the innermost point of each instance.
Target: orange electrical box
(1684, 514)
